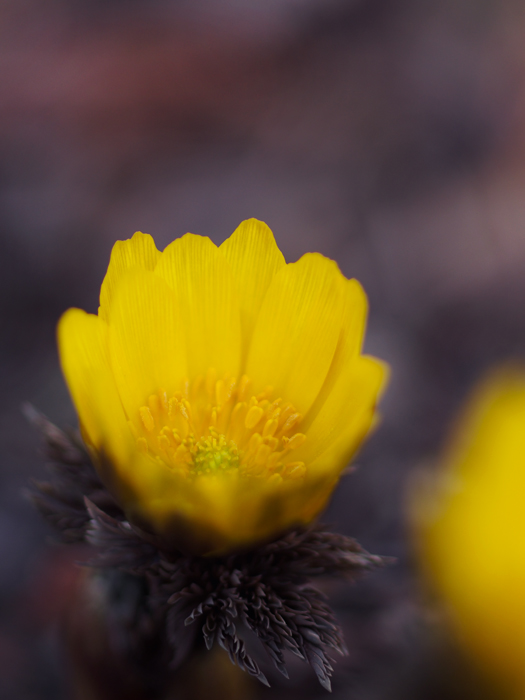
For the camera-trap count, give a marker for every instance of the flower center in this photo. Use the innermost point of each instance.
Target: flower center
(219, 426)
(212, 455)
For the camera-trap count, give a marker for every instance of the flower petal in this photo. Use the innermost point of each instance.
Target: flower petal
(213, 516)
(146, 339)
(204, 286)
(82, 340)
(341, 424)
(297, 331)
(138, 250)
(254, 258)
(349, 344)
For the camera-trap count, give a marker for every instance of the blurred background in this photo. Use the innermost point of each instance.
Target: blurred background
(386, 134)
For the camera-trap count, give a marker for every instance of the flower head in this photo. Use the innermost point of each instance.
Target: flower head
(220, 390)
(473, 526)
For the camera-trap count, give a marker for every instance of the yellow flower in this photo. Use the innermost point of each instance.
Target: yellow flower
(473, 528)
(220, 390)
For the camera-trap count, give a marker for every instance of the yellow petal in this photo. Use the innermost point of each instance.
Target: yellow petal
(82, 340)
(254, 258)
(349, 344)
(146, 339)
(355, 316)
(471, 522)
(204, 286)
(215, 516)
(139, 250)
(345, 417)
(297, 331)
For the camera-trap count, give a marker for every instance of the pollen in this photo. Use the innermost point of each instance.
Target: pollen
(214, 427)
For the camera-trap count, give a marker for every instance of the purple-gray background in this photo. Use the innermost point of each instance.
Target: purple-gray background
(389, 135)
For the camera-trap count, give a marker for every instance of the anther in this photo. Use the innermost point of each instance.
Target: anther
(296, 441)
(272, 442)
(264, 404)
(163, 399)
(270, 428)
(265, 393)
(164, 443)
(185, 409)
(291, 422)
(253, 416)
(254, 442)
(147, 418)
(294, 470)
(224, 389)
(172, 407)
(286, 412)
(238, 413)
(182, 454)
(154, 405)
(275, 412)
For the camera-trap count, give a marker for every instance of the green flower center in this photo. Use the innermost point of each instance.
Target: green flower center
(214, 454)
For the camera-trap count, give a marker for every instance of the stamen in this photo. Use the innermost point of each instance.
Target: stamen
(296, 441)
(212, 455)
(185, 410)
(253, 417)
(294, 470)
(265, 394)
(147, 418)
(272, 442)
(164, 443)
(183, 455)
(164, 399)
(254, 442)
(270, 427)
(172, 407)
(291, 422)
(217, 426)
(224, 390)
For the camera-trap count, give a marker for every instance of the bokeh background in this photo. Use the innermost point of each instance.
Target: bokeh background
(386, 134)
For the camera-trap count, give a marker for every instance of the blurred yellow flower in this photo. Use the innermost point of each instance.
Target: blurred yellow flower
(220, 390)
(473, 527)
